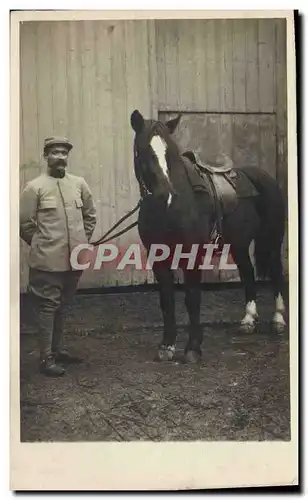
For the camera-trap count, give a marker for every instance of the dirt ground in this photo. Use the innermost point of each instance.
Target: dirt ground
(240, 390)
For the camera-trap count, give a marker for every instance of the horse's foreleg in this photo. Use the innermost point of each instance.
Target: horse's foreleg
(165, 280)
(246, 271)
(193, 304)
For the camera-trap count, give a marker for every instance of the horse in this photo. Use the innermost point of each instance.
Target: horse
(170, 214)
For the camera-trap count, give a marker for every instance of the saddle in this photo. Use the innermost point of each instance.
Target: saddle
(228, 184)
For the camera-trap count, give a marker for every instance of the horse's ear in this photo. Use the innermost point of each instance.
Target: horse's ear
(137, 121)
(172, 124)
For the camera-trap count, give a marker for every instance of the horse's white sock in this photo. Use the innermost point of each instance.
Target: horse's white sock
(251, 313)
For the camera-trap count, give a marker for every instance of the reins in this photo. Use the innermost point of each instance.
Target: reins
(104, 238)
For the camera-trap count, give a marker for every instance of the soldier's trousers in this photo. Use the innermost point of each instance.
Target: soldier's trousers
(52, 293)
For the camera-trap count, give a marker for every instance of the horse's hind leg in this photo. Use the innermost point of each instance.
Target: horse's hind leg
(246, 271)
(193, 304)
(165, 279)
(276, 274)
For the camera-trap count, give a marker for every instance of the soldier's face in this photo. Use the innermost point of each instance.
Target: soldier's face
(57, 158)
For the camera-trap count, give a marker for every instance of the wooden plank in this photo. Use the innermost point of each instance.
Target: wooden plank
(104, 136)
(239, 65)
(226, 66)
(118, 72)
(104, 174)
(212, 88)
(89, 103)
(28, 81)
(153, 67)
(252, 133)
(98, 72)
(88, 124)
(143, 67)
(252, 77)
(89, 120)
(29, 160)
(281, 123)
(58, 34)
(200, 67)
(132, 39)
(267, 128)
(218, 35)
(45, 64)
(135, 34)
(281, 105)
(184, 89)
(173, 65)
(160, 30)
(74, 96)
(145, 97)
(266, 46)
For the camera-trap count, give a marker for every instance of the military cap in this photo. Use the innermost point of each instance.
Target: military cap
(57, 141)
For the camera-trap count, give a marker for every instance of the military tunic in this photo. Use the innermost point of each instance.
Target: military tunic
(56, 215)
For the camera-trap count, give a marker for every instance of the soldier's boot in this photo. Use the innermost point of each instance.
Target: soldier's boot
(49, 367)
(60, 353)
(44, 314)
(66, 357)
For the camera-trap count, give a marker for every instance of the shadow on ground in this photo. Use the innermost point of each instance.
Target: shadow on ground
(240, 391)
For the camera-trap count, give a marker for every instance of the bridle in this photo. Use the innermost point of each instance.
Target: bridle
(145, 193)
(153, 129)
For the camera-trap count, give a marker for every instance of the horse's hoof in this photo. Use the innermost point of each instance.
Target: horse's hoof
(279, 326)
(278, 322)
(247, 327)
(166, 353)
(192, 357)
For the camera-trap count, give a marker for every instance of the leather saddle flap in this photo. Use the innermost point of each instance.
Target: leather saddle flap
(230, 183)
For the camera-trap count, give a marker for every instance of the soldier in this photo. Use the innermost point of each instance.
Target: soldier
(57, 213)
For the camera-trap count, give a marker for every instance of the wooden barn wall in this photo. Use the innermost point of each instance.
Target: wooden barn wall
(228, 77)
(83, 79)
(231, 68)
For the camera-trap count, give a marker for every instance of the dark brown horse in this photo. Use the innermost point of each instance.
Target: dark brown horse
(170, 214)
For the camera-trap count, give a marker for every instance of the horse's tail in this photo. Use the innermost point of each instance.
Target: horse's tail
(270, 206)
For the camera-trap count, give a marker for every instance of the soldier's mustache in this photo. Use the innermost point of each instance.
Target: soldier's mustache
(60, 163)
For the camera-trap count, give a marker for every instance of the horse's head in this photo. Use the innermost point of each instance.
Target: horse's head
(153, 152)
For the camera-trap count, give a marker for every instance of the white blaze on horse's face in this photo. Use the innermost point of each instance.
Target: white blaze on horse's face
(159, 147)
